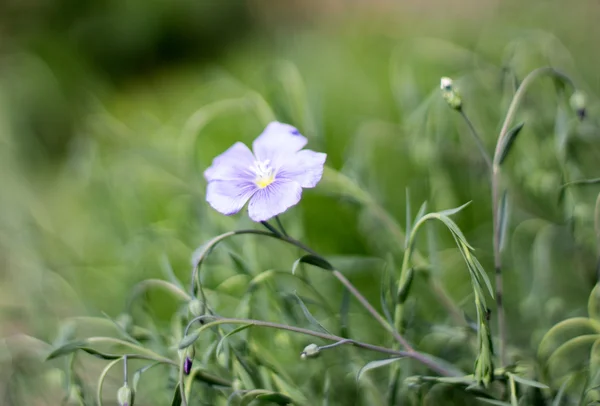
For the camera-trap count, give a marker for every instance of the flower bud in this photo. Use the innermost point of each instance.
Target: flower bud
(578, 103)
(310, 351)
(190, 353)
(195, 307)
(450, 94)
(125, 396)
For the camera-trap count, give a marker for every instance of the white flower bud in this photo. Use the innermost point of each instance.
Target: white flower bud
(125, 396)
(450, 94)
(446, 83)
(310, 351)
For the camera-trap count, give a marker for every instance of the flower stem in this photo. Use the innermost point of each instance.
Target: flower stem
(512, 110)
(422, 358)
(280, 225)
(477, 139)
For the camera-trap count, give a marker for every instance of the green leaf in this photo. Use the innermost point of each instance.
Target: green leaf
(594, 303)
(509, 140)
(138, 375)
(503, 216)
(405, 288)
(275, 397)
(529, 382)
(384, 292)
(188, 340)
(311, 319)
(572, 356)
(493, 401)
(597, 223)
(408, 220)
(232, 332)
(169, 273)
(266, 396)
(450, 212)
(176, 396)
(561, 392)
(565, 331)
(81, 346)
(376, 364)
(240, 264)
(312, 260)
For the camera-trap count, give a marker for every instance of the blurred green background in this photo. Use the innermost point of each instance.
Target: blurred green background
(111, 110)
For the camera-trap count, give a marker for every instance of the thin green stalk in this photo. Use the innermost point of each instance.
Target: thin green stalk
(338, 275)
(510, 115)
(477, 139)
(422, 358)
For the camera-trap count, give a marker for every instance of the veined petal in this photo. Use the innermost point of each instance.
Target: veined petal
(229, 196)
(274, 199)
(305, 167)
(277, 139)
(232, 164)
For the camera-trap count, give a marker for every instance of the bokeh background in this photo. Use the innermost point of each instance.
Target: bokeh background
(111, 110)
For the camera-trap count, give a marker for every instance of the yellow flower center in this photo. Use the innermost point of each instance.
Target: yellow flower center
(265, 174)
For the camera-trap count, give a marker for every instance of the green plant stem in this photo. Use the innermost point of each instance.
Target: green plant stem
(280, 225)
(338, 275)
(422, 358)
(419, 261)
(512, 110)
(477, 139)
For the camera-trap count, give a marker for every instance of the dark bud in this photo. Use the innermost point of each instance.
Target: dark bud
(187, 365)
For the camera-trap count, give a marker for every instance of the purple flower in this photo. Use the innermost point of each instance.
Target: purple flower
(271, 178)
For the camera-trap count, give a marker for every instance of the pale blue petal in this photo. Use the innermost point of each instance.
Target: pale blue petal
(304, 167)
(229, 196)
(274, 199)
(277, 139)
(232, 164)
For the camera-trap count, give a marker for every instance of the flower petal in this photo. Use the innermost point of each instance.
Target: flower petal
(229, 196)
(277, 139)
(305, 167)
(232, 164)
(274, 199)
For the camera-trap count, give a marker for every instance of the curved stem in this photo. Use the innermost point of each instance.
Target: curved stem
(512, 110)
(422, 358)
(335, 273)
(477, 139)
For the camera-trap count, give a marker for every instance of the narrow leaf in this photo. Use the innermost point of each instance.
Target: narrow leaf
(509, 140)
(232, 332)
(405, 288)
(176, 396)
(503, 217)
(138, 375)
(312, 320)
(188, 340)
(81, 346)
(375, 364)
(493, 401)
(450, 212)
(408, 220)
(312, 260)
(529, 382)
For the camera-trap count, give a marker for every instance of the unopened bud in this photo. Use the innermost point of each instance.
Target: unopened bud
(310, 351)
(446, 83)
(450, 94)
(125, 396)
(195, 307)
(189, 360)
(578, 103)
